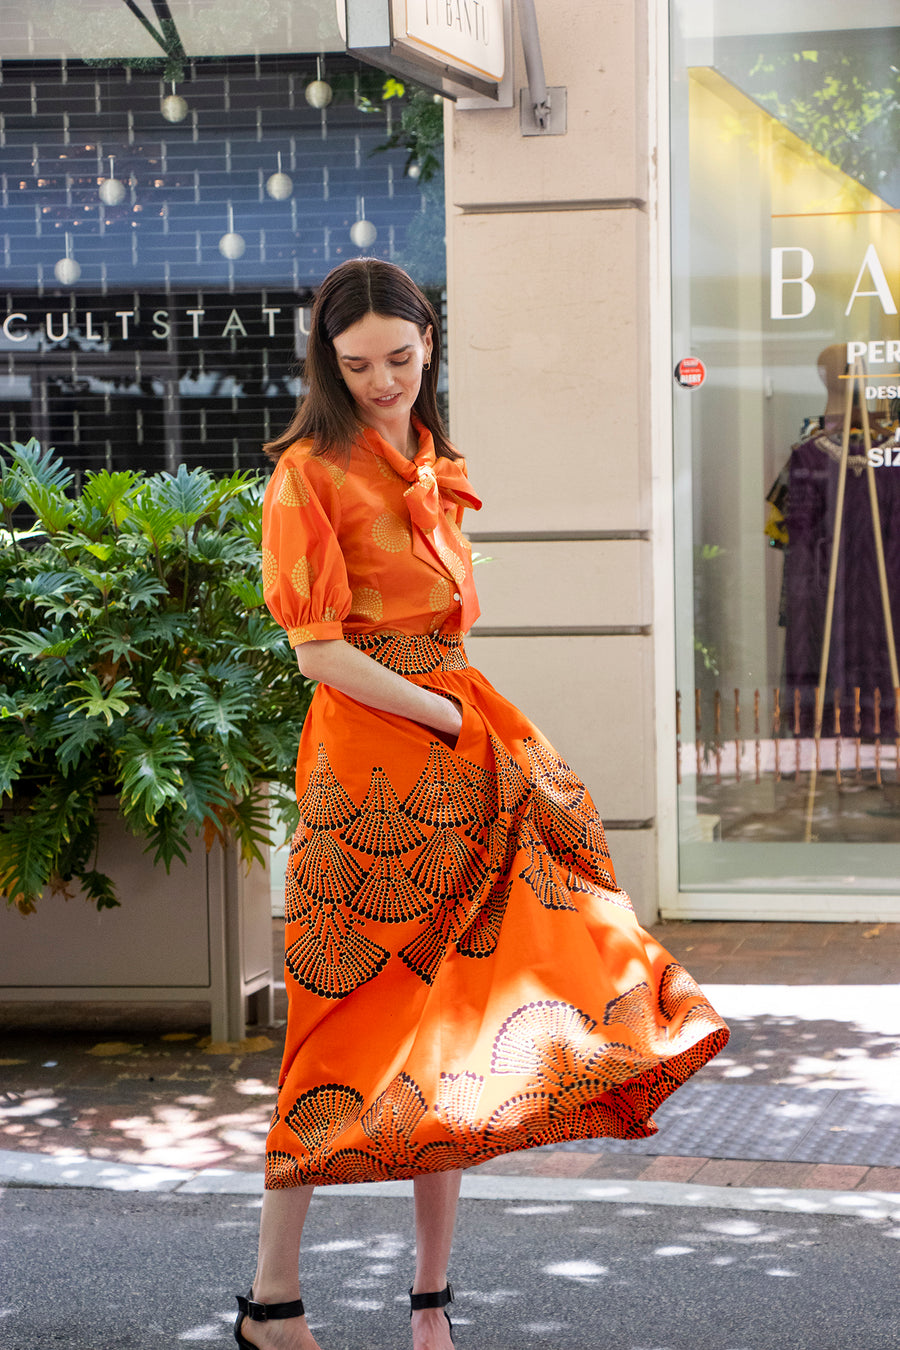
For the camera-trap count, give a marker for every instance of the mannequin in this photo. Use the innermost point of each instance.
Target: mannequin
(858, 654)
(832, 365)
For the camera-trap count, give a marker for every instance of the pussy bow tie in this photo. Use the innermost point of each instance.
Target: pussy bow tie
(431, 479)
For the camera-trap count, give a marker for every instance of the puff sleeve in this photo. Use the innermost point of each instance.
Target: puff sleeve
(304, 575)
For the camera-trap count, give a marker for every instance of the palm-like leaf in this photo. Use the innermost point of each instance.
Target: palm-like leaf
(52, 507)
(102, 552)
(51, 593)
(142, 590)
(156, 521)
(240, 769)
(221, 713)
(27, 854)
(247, 590)
(36, 465)
(251, 823)
(261, 635)
(117, 645)
(14, 750)
(187, 494)
(165, 629)
(110, 494)
(135, 658)
(12, 488)
(203, 791)
(98, 888)
(151, 777)
(97, 701)
(167, 836)
(44, 642)
(74, 739)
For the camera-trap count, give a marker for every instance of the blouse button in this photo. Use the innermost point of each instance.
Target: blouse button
(455, 596)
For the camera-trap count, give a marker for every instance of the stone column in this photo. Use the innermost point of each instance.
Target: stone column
(548, 261)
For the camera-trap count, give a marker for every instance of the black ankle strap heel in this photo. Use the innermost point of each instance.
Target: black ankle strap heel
(419, 1301)
(262, 1312)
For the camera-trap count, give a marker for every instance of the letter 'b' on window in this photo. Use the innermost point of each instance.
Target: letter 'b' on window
(780, 283)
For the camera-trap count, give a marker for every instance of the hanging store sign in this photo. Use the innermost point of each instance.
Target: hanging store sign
(453, 46)
(466, 33)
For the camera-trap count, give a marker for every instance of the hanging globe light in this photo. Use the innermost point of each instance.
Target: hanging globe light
(174, 108)
(112, 190)
(362, 231)
(319, 92)
(279, 185)
(67, 270)
(232, 246)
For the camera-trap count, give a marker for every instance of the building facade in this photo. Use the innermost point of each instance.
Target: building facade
(163, 239)
(674, 369)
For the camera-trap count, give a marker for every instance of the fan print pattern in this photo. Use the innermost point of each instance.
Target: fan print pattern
(465, 975)
(575, 1084)
(403, 886)
(445, 855)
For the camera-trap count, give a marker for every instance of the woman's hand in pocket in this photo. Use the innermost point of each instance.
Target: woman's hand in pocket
(447, 719)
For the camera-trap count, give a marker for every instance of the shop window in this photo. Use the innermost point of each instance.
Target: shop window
(786, 286)
(158, 273)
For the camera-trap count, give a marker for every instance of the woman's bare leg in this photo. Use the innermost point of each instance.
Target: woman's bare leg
(277, 1278)
(436, 1195)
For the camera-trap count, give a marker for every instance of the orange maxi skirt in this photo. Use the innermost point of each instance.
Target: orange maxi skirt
(464, 975)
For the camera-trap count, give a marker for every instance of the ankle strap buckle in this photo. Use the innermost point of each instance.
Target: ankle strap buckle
(250, 1308)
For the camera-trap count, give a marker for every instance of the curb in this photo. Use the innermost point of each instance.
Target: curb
(77, 1171)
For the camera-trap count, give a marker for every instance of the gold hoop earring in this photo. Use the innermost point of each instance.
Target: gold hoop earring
(427, 364)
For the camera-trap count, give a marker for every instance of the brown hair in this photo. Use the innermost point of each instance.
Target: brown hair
(327, 413)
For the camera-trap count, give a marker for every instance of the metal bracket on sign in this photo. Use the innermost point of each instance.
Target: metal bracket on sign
(553, 112)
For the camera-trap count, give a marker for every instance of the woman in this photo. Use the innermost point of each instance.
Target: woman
(464, 975)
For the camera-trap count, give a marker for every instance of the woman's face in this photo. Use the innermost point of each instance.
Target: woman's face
(381, 360)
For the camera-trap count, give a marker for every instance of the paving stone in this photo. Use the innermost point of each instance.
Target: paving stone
(523, 1163)
(673, 1169)
(622, 1168)
(555, 1164)
(881, 1179)
(723, 1172)
(828, 953)
(828, 1177)
(782, 1175)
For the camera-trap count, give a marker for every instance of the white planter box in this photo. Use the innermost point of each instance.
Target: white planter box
(202, 931)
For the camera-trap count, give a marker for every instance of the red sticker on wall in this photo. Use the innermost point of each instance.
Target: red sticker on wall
(690, 372)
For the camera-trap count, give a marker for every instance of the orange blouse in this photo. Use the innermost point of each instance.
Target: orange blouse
(375, 546)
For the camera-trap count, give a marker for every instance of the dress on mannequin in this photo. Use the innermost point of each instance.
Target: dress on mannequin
(858, 655)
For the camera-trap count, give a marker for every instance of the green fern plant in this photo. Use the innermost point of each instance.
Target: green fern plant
(136, 659)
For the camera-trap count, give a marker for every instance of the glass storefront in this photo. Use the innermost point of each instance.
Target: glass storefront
(785, 131)
(162, 238)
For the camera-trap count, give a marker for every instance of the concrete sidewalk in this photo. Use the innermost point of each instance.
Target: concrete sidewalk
(805, 1096)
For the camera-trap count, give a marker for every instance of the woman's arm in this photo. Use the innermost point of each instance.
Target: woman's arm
(349, 670)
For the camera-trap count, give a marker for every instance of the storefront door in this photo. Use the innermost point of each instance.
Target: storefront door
(785, 128)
